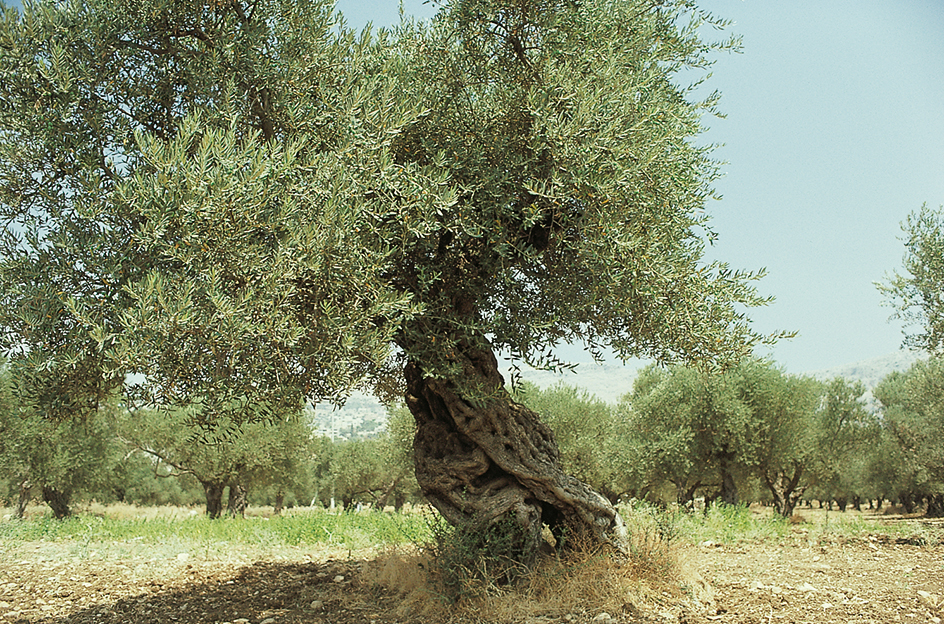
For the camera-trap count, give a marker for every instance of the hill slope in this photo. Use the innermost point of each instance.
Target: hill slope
(873, 370)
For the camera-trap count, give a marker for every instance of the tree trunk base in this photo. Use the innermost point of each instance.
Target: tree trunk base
(23, 499)
(484, 458)
(935, 506)
(238, 501)
(58, 501)
(214, 499)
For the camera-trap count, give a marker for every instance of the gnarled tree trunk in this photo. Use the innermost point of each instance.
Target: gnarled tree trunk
(485, 458)
(23, 499)
(935, 506)
(238, 500)
(785, 490)
(685, 493)
(729, 491)
(58, 501)
(279, 502)
(214, 498)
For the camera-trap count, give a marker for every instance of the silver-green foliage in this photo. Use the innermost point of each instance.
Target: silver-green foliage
(915, 294)
(696, 429)
(912, 405)
(247, 202)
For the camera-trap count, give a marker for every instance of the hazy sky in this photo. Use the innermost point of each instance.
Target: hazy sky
(834, 133)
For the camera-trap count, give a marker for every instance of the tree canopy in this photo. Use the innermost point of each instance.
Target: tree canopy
(248, 192)
(707, 432)
(912, 403)
(916, 294)
(247, 203)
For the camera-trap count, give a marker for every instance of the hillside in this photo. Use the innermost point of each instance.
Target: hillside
(873, 370)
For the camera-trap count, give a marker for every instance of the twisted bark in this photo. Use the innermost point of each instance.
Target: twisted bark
(785, 489)
(58, 500)
(482, 459)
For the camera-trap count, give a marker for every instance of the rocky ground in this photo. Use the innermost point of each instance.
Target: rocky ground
(872, 578)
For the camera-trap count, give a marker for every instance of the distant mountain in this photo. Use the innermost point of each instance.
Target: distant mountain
(870, 372)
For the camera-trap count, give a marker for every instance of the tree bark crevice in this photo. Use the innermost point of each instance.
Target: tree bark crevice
(484, 457)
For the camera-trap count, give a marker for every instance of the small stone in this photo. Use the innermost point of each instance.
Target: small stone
(5, 605)
(806, 588)
(183, 556)
(776, 590)
(827, 605)
(339, 578)
(928, 598)
(241, 621)
(317, 605)
(268, 621)
(603, 618)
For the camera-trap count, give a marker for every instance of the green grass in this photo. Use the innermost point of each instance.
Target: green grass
(161, 533)
(300, 529)
(723, 524)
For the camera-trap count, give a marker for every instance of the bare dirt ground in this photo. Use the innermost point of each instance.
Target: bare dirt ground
(872, 578)
(868, 579)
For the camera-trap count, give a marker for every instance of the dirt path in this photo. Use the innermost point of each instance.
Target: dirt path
(872, 579)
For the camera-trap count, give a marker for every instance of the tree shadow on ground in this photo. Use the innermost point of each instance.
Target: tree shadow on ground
(264, 592)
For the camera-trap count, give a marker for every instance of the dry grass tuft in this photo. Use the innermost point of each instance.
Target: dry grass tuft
(584, 582)
(125, 511)
(405, 573)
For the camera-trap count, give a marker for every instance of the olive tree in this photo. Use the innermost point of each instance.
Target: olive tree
(782, 429)
(845, 431)
(693, 430)
(237, 456)
(280, 207)
(911, 409)
(708, 432)
(57, 460)
(915, 294)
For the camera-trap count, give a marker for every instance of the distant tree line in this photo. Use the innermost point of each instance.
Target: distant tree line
(751, 434)
(151, 457)
(757, 434)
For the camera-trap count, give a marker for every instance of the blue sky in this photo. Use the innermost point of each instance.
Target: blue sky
(834, 133)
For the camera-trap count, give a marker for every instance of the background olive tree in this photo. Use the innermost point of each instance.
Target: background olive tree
(239, 457)
(912, 404)
(714, 433)
(54, 460)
